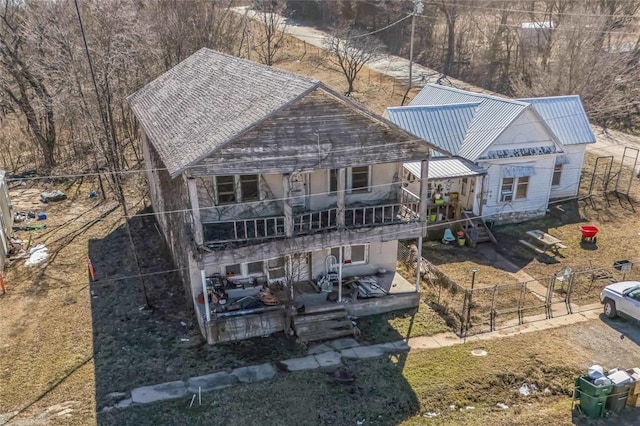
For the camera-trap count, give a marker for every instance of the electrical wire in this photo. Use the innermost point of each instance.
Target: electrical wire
(340, 150)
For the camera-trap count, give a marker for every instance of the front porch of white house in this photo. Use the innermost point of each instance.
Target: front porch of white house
(454, 186)
(278, 312)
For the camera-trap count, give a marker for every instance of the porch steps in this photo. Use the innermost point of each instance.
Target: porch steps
(323, 323)
(476, 230)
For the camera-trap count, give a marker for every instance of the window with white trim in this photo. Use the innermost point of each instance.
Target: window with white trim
(358, 179)
(522, 187)
(514, 188)
(237, 188)
(557, 174)
(352, 255)
(506, 190)
(251, 269)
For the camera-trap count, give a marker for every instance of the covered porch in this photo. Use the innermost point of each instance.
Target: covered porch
(454, 185)
(312, 312)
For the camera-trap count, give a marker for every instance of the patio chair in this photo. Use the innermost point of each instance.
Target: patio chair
(448, 237)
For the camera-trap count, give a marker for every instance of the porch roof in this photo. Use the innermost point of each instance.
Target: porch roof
(447, 168)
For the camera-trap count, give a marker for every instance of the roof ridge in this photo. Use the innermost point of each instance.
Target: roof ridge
(476, 94)
(439, 106)
(549, 97)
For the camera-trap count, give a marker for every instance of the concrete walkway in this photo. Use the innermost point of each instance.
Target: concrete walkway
(329, 354)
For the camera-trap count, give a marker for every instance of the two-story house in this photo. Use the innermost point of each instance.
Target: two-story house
(263, 178)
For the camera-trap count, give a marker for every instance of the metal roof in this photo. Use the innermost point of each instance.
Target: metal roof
(566, 117)
(491, 115)
(444, 126)
(435, 94)
(446, 168)
(209, 99)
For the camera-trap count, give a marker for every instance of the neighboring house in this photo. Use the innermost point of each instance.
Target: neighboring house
(536, 35)
(525, 151)
(259, 175)
(6, 220)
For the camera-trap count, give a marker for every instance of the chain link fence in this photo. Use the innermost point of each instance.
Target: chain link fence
(479, 310)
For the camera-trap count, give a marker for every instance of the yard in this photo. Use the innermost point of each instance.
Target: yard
(68, 344)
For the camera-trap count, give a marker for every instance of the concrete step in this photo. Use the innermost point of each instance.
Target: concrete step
(320, 326)
(320, 316)
(325, 335)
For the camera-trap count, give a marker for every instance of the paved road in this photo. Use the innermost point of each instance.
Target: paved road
(611, 143)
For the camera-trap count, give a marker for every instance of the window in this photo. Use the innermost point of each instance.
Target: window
(523, 186)
(333, 181)
(557, 173)
(463, 186)
(276, 268)
(358, 179)
(244, 269)
(254, 268)
(226, 189)
(352, 255)
(236, 189)
(506, 191)
(249, 188)
(233, 270)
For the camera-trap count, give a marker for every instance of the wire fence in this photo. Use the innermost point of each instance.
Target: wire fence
(471, 311)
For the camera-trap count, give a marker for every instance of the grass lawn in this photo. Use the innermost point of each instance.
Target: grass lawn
(402, 388)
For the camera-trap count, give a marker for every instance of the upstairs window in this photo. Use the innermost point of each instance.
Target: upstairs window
(226, 189)
(249, 188)
(237, 188)
(358, 179)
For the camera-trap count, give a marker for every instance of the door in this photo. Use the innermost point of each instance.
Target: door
(300, 266)
(298, 187)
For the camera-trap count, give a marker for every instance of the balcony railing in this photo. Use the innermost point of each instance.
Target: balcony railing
(240, 232)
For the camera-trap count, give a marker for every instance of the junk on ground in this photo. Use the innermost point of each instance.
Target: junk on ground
(600, 391)
(55, 195)
(37, 255)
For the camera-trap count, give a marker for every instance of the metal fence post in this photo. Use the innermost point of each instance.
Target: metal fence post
(492, 314)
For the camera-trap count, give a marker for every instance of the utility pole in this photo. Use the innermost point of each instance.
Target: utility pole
(418, 7)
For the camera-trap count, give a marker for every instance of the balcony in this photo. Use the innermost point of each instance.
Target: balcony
(222, 235)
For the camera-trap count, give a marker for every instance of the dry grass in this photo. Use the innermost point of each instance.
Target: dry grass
(618, 236)
(400, 389)
(67, 349)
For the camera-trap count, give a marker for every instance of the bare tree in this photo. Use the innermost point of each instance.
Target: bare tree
(351, 50)
(21, 84)
(269, 38)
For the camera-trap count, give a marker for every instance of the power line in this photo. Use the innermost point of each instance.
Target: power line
(335, 150)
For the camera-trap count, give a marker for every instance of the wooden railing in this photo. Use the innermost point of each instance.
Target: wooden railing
(243, 230)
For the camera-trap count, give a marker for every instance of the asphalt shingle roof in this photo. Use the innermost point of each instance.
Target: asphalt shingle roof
(208, 100)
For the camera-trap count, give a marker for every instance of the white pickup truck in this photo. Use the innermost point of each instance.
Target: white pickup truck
(622, 299)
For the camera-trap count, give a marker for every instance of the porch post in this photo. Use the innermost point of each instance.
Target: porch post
(340, 261)
(481, 199)
(342, 185)
(203, 277)
(424, 192)
(419, 264)
(195, 211)
(288, 210)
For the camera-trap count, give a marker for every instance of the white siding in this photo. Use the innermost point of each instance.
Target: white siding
(538, 191)
(524, 132)
(381, 255)
(382, 176)
(570, 177)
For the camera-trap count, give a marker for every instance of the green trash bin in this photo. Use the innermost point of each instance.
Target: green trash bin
(592, 398)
